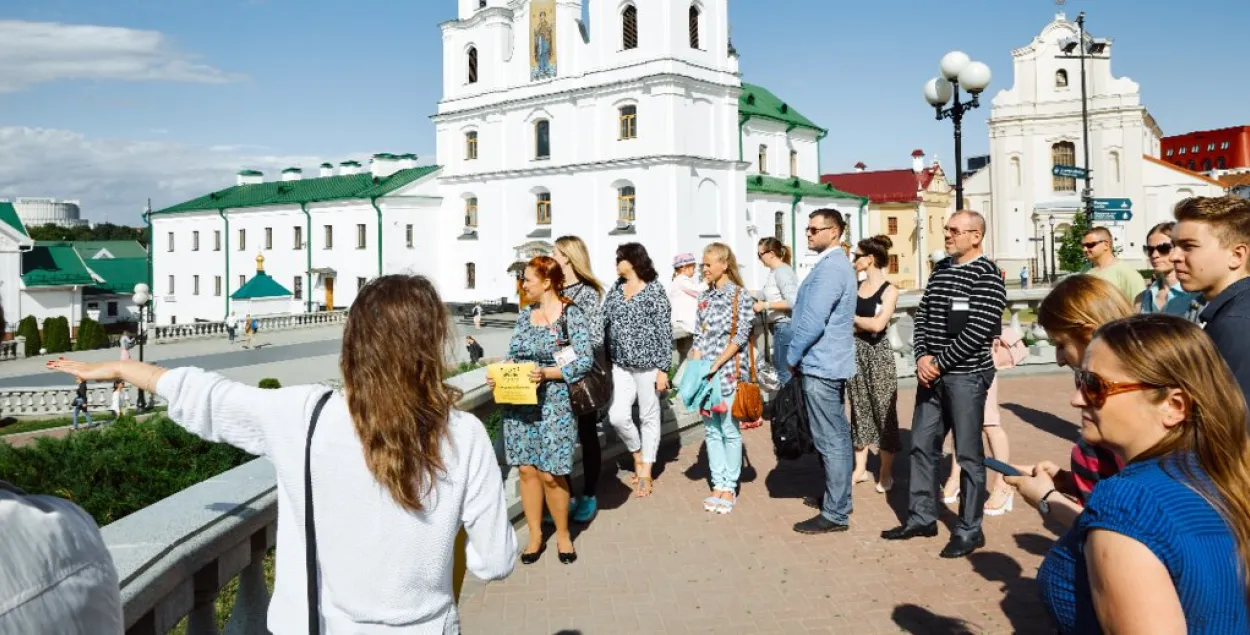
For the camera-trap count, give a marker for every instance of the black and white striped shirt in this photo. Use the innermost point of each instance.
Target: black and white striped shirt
(960, 313)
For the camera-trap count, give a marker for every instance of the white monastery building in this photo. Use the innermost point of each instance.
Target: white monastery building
(635, 127)
(1036, 124)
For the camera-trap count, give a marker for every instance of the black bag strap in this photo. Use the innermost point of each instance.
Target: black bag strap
(310, 528)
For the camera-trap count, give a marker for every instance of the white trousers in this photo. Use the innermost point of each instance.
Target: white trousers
(629, 386)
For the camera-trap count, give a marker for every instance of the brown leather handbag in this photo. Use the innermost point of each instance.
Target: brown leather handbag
(748, 404)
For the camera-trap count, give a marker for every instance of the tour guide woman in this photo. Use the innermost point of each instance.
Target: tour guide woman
(387, 509)
(555, 335)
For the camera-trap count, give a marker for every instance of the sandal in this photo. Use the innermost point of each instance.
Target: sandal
(711, 503)
(726, 504)
(645, 487)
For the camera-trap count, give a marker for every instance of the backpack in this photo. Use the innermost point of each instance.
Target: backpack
(792, 432)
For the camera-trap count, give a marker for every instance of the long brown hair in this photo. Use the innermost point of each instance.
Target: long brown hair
(778, 248)
(723, 253)
(877, 248)
(575, 250)
(394, 364)
(1166, 350)
(1079, 304)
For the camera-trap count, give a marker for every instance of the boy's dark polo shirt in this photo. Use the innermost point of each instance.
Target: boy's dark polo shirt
(1227, 320)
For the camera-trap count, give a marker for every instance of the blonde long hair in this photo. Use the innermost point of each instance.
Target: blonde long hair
(1079, 304)
(1169, 351)
(723, 253)
(575, 250)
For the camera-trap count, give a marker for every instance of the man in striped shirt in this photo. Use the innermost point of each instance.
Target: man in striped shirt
(959, 315)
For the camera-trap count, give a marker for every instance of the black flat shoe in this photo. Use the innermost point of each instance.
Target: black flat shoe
(531, 558)
(818, 524)
(959, 546)
(907, 532)
(567, 558)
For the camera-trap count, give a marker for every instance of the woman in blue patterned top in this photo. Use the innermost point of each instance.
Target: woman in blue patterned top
(539, 439)
(718, 338)
(637, 321)
(1164, 545)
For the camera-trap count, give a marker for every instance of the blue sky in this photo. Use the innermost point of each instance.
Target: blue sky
(178, 94)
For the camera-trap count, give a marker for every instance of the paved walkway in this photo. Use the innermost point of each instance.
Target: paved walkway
(663, 565)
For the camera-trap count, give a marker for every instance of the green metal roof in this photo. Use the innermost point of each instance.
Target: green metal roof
(120, 274)
(51, 264)
(759, 184)
(311, 190)
(9, 216)
(260, 286)
(757, 101)
(88, 249)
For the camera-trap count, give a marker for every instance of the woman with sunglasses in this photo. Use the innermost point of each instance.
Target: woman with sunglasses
(1163, 546)
(874, 388)
(1070, 313)
(1164, 293)
(781, 289)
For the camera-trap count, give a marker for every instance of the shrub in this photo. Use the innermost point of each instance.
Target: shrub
(494, 424)
(119, 469)
(29, 329)
(56, 335)
(91, 336)
(270, 383)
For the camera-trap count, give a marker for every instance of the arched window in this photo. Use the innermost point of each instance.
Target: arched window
(625, 204)
(1206, 165)
(1015, 172)
(470, 145)
(1063, 153)
(1190, 164)
(542, 139)
(470, 212)
(1061, 78)
(779, 226)
(629, 28)
(1113, 163)
(1219, 163)
(629, 122)
(470, 275)
(694, 27)
(794, 163)
(542, 209)
(763, 159)
(472, 65)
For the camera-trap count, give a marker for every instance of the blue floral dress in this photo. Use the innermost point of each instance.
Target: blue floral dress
(544, 435)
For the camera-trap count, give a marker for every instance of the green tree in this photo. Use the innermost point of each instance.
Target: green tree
(101, 231)
(1071, 255)
(91, 335)
(56, 335)
(29, 329)
(270, 383)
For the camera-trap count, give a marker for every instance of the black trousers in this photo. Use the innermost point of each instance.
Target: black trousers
(592, 454)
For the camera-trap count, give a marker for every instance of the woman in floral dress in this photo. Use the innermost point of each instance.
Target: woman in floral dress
(539, 439)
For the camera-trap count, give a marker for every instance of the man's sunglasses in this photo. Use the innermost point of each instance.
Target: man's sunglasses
(1095, 390)
(1163, 249)
(1092, 244)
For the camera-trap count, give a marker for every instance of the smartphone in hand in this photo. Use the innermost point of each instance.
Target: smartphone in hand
(1001, 468)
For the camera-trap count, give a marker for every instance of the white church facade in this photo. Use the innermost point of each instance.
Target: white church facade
(634, 127)
(1037, 124)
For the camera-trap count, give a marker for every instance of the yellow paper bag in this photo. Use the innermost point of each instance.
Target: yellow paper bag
(512, 383)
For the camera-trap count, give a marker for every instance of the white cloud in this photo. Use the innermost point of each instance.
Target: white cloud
(41, 52)
(114, 177)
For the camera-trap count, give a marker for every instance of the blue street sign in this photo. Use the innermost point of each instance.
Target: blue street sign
(1070, 171)
(1112, 204)
(1122, 215)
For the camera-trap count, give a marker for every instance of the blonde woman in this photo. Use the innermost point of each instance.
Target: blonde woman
(586, 292)
(724, 319)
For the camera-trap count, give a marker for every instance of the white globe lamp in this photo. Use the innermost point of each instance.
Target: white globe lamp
(953, 64)
(937, 91)
(975, 77)
(142, 294)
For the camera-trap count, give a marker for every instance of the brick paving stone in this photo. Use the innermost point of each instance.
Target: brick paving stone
(664, 565)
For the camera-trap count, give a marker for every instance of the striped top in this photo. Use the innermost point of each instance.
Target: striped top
(1091, 464)
(960, 314)
(1161, 503)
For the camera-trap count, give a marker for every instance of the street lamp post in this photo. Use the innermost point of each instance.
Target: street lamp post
(957, 70)
(1054, 273)
(1089, 49)
(141, 297)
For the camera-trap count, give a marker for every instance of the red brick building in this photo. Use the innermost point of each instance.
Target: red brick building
(1207, 150)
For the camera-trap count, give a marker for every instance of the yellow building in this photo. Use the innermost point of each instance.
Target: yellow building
(908, 206)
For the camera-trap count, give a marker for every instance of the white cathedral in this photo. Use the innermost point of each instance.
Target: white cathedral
(1036, 124)
(633, 127)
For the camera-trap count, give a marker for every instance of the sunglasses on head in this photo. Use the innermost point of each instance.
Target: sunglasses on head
(1095, 390)
(1163, 249)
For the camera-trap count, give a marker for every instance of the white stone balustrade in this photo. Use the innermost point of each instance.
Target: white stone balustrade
(207, 330)
(39, 402)
(1041, 351)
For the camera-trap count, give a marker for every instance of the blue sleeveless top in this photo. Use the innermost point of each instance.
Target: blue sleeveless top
(1152, 502)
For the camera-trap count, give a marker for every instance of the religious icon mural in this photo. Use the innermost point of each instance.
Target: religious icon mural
(542, 39)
